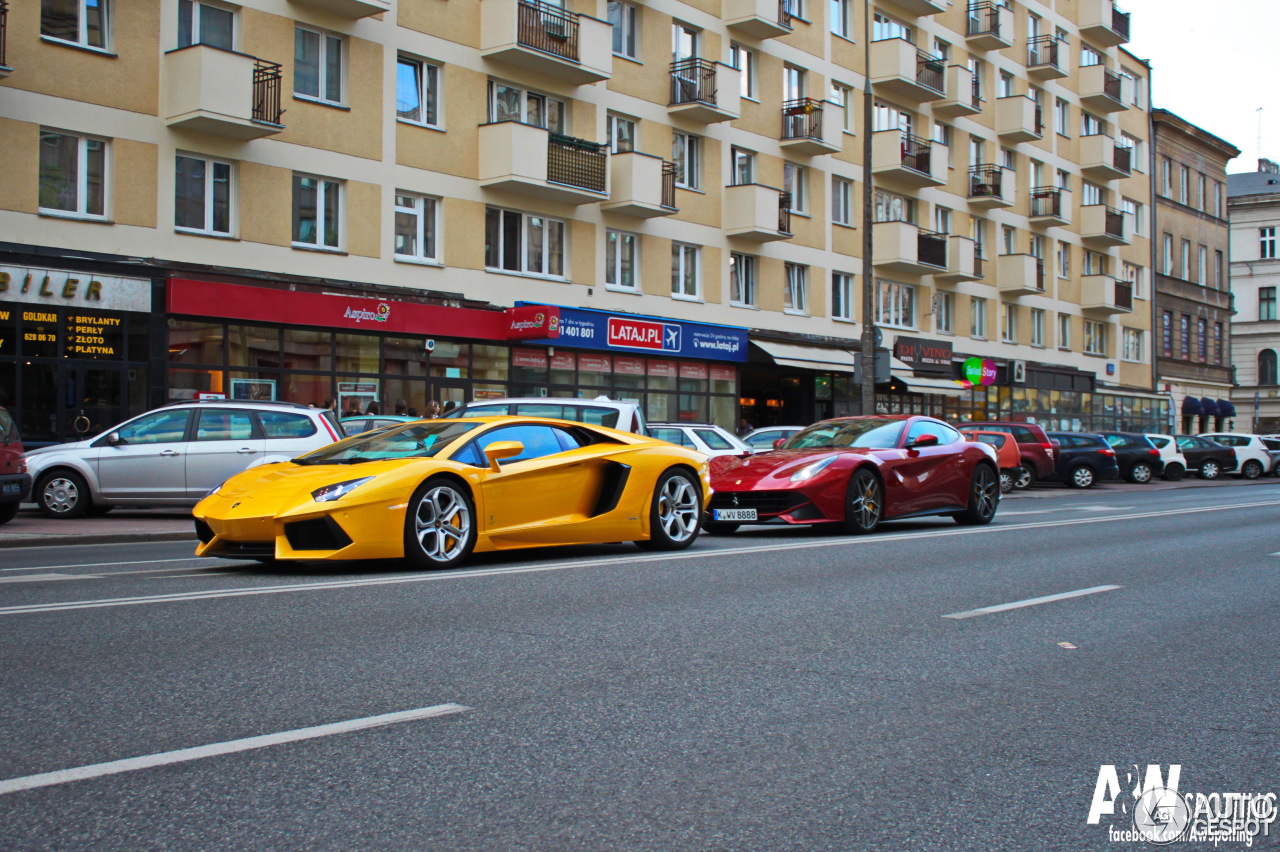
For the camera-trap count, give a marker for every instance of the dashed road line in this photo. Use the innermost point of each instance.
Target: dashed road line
(988, 610)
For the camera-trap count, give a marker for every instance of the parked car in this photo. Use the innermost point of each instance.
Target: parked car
(1007, 455)
(854, 472)
(765, 437)
(707, 438)
(1251, 452)
(1175, 463)
(601, 411)
(1138, 458)
(1273, 450)
(15, 482)
(1084, 459)
(1208, 459)
(433, 491)
(357, 423)
(1038, 461)
(173, 455)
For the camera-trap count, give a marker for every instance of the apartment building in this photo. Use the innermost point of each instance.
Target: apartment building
(1192, 288)
(1253, 199)
(367, 199)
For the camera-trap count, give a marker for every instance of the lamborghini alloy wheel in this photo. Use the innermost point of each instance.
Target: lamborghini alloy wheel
(440, 525)
(676, 512)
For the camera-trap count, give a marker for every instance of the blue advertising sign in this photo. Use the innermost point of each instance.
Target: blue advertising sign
(590, 329)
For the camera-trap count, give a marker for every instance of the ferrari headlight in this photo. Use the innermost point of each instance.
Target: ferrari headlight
(338, 490)
(809, 471)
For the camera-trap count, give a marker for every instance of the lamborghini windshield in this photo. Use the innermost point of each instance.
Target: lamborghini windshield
(870, 432)
(412, 440)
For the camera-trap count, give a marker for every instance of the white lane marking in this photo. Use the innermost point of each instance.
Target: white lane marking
(37, 578)
(987, 610)
(102, 564)
(1103, 508)
(1030, 512)
(116, 767)
(618, 561)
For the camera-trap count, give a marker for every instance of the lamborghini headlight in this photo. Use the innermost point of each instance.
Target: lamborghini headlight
(809, 471)
(338, 490)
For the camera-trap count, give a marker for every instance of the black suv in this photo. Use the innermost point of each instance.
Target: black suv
(1138, 458)
(1083, 459)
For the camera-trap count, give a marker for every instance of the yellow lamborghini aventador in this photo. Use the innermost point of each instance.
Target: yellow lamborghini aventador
(432, 491)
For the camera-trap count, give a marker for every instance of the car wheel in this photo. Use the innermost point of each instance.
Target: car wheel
(440, 526)
(63, 495)
(1081, 476)
(675, 513)
(1006, 481)
(1140, 473)
(864, 505)
(720, 527)
(1023, 477)
(1210, 469)
(1174, 472)
(8, 511)
(984, 498)
(1251, 469)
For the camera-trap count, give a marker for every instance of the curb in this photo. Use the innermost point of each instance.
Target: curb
(18, 540)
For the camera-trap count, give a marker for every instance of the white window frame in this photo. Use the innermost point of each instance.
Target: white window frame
(1095, 337)
(1133, 209)
(895, 304)
(625, 18)
(944, 314)
(1267, 243)
(83, 154)
(1132, 273)
(795, 298)
(795, 180)
(841, 201)
(614, 124)
(744, 59)
(326, 41)
(209, 201)
(1133, 349)
(194, 35)
(686, 151)
(842, 96)
(548, 104)
(839, 11)
(743, 290)
(977, 318)
(426, 81)
(1064, 331)
(324, 187)
(425, 213)
(1037, 327)
(842, 294)
(1062, 117)
(550, 254)
(685, 262)
(82, 38)
(1008, 322)
(621, 255)
(1064, 259)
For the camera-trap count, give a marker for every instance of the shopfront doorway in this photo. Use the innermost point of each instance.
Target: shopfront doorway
(69, 401)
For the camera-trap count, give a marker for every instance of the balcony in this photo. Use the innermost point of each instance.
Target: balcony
(1101, 89)
(807, 129)
(906, 159)
(547, 39)
(757, 213)
(904, 247)
(5, 70)
(533, 161)
(1102, 158)
(704, 91)
(1019, 119)
(1104, 294)
(1103, 225)
(989, 26)
(962, 93)
(758, 18)
(1103, 22)
(641, 185)
(1019, 274)
(219, 91)
(918, 8)
(1047, 58)
(991, 186)
(351, 8)
(963, 263)
(1050, 205)
(898, 66)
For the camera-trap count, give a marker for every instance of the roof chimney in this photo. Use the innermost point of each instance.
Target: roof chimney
(1268, 167)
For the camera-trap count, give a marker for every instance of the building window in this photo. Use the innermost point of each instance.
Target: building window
(796, 298)
(624, 17)
(1132, 273)
(1166, 177)
(1217, 343)
(885, 27)
(416, 226)
(1037, 327)
(519, 242)
(684, 153)
(1064, 331)
(1266, 303)
(1008, 239)
(1061, 117)
(317, 212)
(1090, 194)
(1267, 367)
(1166, 334)
(895, 304)
(1202, 197)
(842, 296)
(1133, 347)
(1202, 265)
(1133, 210)
(842, 96)
(1202, 339)
(795, 180)
(1184, 335)
(1218, 269)
(317, 65)
(202, 195)
(944, 312)
(1186, 259)
(73, 174)
(942, 219)
(511, 103)
(1008, 322)
(417, 91)
(744, 166)
(1089, 56)
(1136, 161)
(1184, 184)
(1217, 199)
(1004, 89)
(978, 318)
(841, 201)
(1095, 338)
(206, 23)
(620, 260)
(891, 207)
(620, 133)
(82, 22)
(840, 17)
(684, 271)
(1166, 255)
(744, 59)
(1267, 243)
(742, 279)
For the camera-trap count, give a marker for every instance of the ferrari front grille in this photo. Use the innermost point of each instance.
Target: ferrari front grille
(316, 534)
(764, 502)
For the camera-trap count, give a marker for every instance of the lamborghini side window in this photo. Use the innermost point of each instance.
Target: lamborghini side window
(538, 441)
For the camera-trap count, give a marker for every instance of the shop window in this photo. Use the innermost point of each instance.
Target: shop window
(357, 353)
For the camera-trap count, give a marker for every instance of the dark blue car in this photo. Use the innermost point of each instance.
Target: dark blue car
(1083, 459)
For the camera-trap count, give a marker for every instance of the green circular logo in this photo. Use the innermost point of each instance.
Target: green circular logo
(979, 371)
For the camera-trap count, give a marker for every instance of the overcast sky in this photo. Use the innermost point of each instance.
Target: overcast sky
(1215, 63)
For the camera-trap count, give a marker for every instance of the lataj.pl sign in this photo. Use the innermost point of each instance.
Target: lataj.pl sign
(588, 329)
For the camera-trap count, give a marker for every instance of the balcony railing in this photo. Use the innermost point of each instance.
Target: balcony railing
(1046, 201)
(984, 19)
(1043, 50)
(693, 81)
(548, 28)
(978, 260)
(931, 248)
(1120, 22)
(802, 119)
(1113, 223)
(784, 213)
(916, 153)
(784, 13)
(1112, 84)
(266, 91)
(4, 25)
(931, 71)
(577, 162)
(986, 181)
(669, 185)
(1122, 158)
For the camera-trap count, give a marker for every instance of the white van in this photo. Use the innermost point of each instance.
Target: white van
(601, 411)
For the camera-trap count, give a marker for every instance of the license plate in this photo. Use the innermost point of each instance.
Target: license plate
(733, 515)
(11, 488)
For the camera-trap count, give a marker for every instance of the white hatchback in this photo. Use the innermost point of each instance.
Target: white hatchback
(706, 438)
(1175, 463)
(1251, 452)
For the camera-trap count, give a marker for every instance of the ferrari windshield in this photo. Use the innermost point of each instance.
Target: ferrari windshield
(871, 432)
(412, 440)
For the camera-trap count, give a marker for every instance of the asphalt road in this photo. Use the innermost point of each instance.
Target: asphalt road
(773, 690)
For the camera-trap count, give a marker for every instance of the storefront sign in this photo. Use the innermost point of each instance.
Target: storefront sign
(693, 371)
(529, 358)
(628, 366)
(588, 329)
(595, 364)
(564, 361)
(979, 371)
(926, 356)
(92, 336)
(662, 368)
(528, 322)
(62, 288)
(723, 374)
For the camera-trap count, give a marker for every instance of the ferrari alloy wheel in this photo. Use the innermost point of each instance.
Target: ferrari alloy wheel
(439, 528)
(1006, 481)
(1173, 472)
(676, 512)
(1210, 469)
(1023, 477)
(984, 498)
(1140, 473)
(63, 495)
(1081, 476)
(864, 507)
(1251, 469)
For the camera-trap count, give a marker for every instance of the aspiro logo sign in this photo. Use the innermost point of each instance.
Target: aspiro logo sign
(379, 314)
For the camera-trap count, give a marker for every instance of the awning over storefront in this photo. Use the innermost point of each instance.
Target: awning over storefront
(1227, 408)
(947, 387)
(1209, 407)
(1191, 405)
(807, 357)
